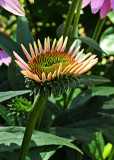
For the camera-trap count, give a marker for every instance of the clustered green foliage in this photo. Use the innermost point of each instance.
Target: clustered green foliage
(20, 106)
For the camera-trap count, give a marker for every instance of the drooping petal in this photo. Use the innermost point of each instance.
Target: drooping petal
(21, 65)
(20, 59)
(13, 6)
(112, 4)
(85, 3)
(26, 53)
(96, 5)
(106, 7)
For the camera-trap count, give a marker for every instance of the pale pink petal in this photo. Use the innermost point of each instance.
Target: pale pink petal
(96, 5)
(72, 47)
(21, 65)
(64, 44)
(60, 69)
(43, 77)
(26, 53)
(75, 52)
(106, 7)
(36, 48)
(31, 50)
(59, 44)
(85, 3)
(20, 59)
(53, 45)
(13, 6)
(112, 4)
(49, 76)
(40, 46)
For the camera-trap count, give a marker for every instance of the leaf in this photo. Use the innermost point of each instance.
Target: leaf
(73, 155)
(89, 41)
(107, 41)
(11, 138)
(111, 16)
(95, 91)
(8, 45)
(4, 113)
(96, 113)
(10, 94)
(38, 153)
(78, 134)
(109, 134)
(23, 34)
(86, 80)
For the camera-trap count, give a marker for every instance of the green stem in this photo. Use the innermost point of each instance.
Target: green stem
(76, 20)
(111, 154)
(97, 31)
(69, 18)
(37, 107)
(69, 98)
(38, 122)
(99, 150)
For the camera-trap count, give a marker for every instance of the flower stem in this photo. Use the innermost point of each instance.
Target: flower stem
(75, 23)
(99, 151)
(97, 31)
(38, 104)
(69, 18)
(39, 119)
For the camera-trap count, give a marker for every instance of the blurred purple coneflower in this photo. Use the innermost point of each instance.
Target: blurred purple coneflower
(4, 58)
(103, 5)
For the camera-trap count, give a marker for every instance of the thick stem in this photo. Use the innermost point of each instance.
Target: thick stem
(37, 107)
(97, 31)
(69, 18)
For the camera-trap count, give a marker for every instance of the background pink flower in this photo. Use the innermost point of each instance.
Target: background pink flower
(13, 6)
(103, 5)
(4, 58)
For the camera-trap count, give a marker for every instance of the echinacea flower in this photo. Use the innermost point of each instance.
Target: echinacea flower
(54, 65)
(103, 5)
(4, 58)
(13, 6)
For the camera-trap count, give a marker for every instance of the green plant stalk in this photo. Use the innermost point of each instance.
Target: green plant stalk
(99, 151)
(66, 105)
(39, 119)
(97, 31)
(69, 18)
(76, 20)
(38, 104)
(111, 154)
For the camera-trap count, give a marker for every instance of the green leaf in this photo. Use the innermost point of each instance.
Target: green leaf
(89, 41)
(73, 155)
(86, 80)
(107, 41)
(38, 153)
(111, 16)
(10, 94)
(95, 114)
(23, 34)
(8, 45)
(4, 113)
(11, 138)
(109, 134)
(95, 91)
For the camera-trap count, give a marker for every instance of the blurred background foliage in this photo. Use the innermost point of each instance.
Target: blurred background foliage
(46, 18)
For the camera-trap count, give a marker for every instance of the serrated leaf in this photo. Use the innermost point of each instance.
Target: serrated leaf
(10, 94)
(11, 138)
